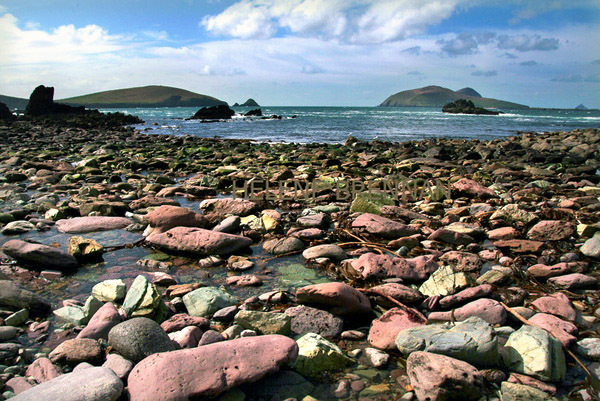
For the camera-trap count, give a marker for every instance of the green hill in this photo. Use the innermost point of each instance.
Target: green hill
(14, 103)
(146, 96)
(436, 96)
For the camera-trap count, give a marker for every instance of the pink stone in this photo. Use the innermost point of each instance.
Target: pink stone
(209, 370)
(562, 330)
(199, 241)
(100, 324)
(466, 295)
(166, 217)
(502, 233)
(181, 320)
(472, 189)
(397, 291)
(385, 329)
(338, 298)
(551, 230)
(188, 337)
(237, 207)
(245, 280)
(573, 281)
(542, 272)
(92, 223)
(488, 309)
(450, 237)
(42, 369)
(18, 384)
(373, 266)
(532, 382)
(150, 201)
(382, 226)
(520, 245)
(557, 304)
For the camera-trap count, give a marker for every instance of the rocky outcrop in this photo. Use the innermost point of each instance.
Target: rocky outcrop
(462, 106)
(222, 112)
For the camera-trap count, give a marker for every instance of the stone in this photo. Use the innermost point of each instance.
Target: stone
(237, 207)
(226, 314)
(206, 301)
(532, 351)
(589, 348)
(573, 281)
(557, 304)
(311, 320)
(166, 217)
(281, 246)
(151, 201)
(17, 318)
(211, 336)
(181, 320)
(229, 225)
(85, 249)
(283, 385)
(338, 298)
(521, 392)
(376, 358)
(472, 189)
(400, 292)
(42, 370)
(551, 230)
(374, 266)
(318, 220)
(109, 290)
(466, 295)
(511, 213)
(210, 370)
(329, 251)
(370, 202)
(317, 355)
(119, 365)
(93, 384)
(382, 226)
(72, 314)
(520, 245)
(562, 330)
(245, 280)
(384, 329)
(219, 112)
(264, 322)
(14, 296)
(17, 227)
(473, 341)
(444, 281)
(591, 247)
(450, 237)
(188, 337)
(142, 299)
(18, 384)
(199, 241)
(502, 233)
(488, 309)
(88, 224)
(8, 333)
(77, 350)
(532, 382)
(137, 338)
(39, 256)
(462, 261)
(543, 272)
(439, 377)
(101, 323)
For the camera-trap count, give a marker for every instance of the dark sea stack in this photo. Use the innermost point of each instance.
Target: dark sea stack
(222, 112)
(254, 113)
(462, 106)
(5, 114)
(250, 103)
(41, 103)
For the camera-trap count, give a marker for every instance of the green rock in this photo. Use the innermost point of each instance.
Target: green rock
(369, 202)
(317, 355)
(206, 301)
(369, 374)
(264, 322)
(298, 275)
(521, 392)
(375, 389)
(91, 306)
(17, 318)
(72, 314)
(142, 299)
(6, 218)
(109, 290)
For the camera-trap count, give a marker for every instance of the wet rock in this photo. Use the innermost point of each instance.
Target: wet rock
(85, 249)
(245, 280)
(77, 350)
(330, 251)
(220, 112)
(39, 256)
(181, 320)
(385, 329)
(101, 323)
(284, 385)
(339, 298)
(199, 241)
(89, 224)
(311, 320)
(42, 370)
(438, 377)
(264, 322)
(137, 338)
(17, 227)
(381, 226)
(317, 355)
(399, 292)
(237, 207)
(532, 351)
(281, 246)
(487, 309)
(72, 314)
(206, 301)
(211, 369)
(166, 217)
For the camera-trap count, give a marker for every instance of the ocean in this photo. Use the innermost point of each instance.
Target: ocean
(334, 124)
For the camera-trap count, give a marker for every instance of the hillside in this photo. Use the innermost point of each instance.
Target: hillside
(14, 103)
(147, 96)
(436, 96)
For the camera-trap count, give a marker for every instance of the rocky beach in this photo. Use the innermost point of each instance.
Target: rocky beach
(156, 267)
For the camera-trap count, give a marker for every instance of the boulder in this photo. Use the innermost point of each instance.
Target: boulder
(339, 298)
(209, 370)
(89, 224)
(385, 329)
(439, 378)
(199, 241)
(311, 320)
(220, 112)
(17, 227)
(109, 290)
(14, 296)
(464, 106)
(93, 384)
(84, 249)
(137, 338)
(382, 226)
(77, 350)
(39, 256)
(119, 365)
(5, 114)
(317, 355)
(205, 301)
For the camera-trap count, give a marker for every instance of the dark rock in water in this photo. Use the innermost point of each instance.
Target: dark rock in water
(222, 112)
(14, 296)
(250, 103)
(581, 106)
(5, 114)
(41, 102)
(462, 106)
(236, 104)
(254, 113)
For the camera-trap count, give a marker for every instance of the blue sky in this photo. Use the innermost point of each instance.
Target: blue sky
(543, 53)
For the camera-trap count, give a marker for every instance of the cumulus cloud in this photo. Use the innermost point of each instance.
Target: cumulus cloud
(484, 73)
(469, 42)
(465, 43)
(525, 43)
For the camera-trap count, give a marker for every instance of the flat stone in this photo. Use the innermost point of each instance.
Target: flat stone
(562, 330)
(589, 348)
(384, 330)
(280, 246)
(18, 318)
(338, 298)
(17, 227)
(551, 230)
(397, 291)
(76, 351)
(521, 392)
(188, 337)
(374, 266)
(318, 220)
(142, 298)
(206, 301)
(166, 217)
(444, 281)
(502, 233)
(573, 281)
(93, 384)
(199, 241)
(450, 237)
(14, 296)
(210, 370)
(72, 314)
(42, 370)
(137, 338)
(557, 304)
(462, 261)
(382, 226)
(466, 295)
(511, 213)
(543, 272)
(119, 365)
(238, 207)
(89, 224)
(181, 320)
(39, 256)
(487, 309)
(472, 189)
(8, 333)
(520, 245)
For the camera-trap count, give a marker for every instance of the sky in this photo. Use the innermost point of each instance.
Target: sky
(543, 53)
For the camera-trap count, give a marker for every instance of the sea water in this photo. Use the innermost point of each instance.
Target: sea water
(334, 124)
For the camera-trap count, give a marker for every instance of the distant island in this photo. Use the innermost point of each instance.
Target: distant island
(437, 96)
(14, 103)
(248, 103)
(146, 96)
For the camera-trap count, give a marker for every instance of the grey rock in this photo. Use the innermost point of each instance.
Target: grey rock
(330, 251)
(264, 322)
(119, 365)
(589, 348)
(591, 247)
(521, 392)
(206, 301)
(306, 319)
(139, 337)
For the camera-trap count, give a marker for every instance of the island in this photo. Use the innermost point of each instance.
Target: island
(462, 106)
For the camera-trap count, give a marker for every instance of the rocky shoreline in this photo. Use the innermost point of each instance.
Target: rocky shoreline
(474, 278)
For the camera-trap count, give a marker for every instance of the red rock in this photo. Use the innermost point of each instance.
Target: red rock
(376, 266)
(308, 233)
(39, 256)
(199, 241)
(187, 337)
(450, 237)
(181, 320)
(532, 382)
(76, 351)
(209, 370)
(338, 298)
(382, 226)
(150, 201)
(100, 324)
(542, 272)
(440, 378)
(238, 207)
(385, 329)
(18, 384)
(409, 242)
(502, 233)
(472, 189)
(245, 280)
(466, 295)
(89, 224)
(42, 369)
(562, 330)
(462, 261)
(520, 245)
(557, 304)
(166, 217)
(573, 281)
(551, 230)
(488, 309)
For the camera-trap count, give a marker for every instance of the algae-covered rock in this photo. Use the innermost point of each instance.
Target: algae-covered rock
(316, 355)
